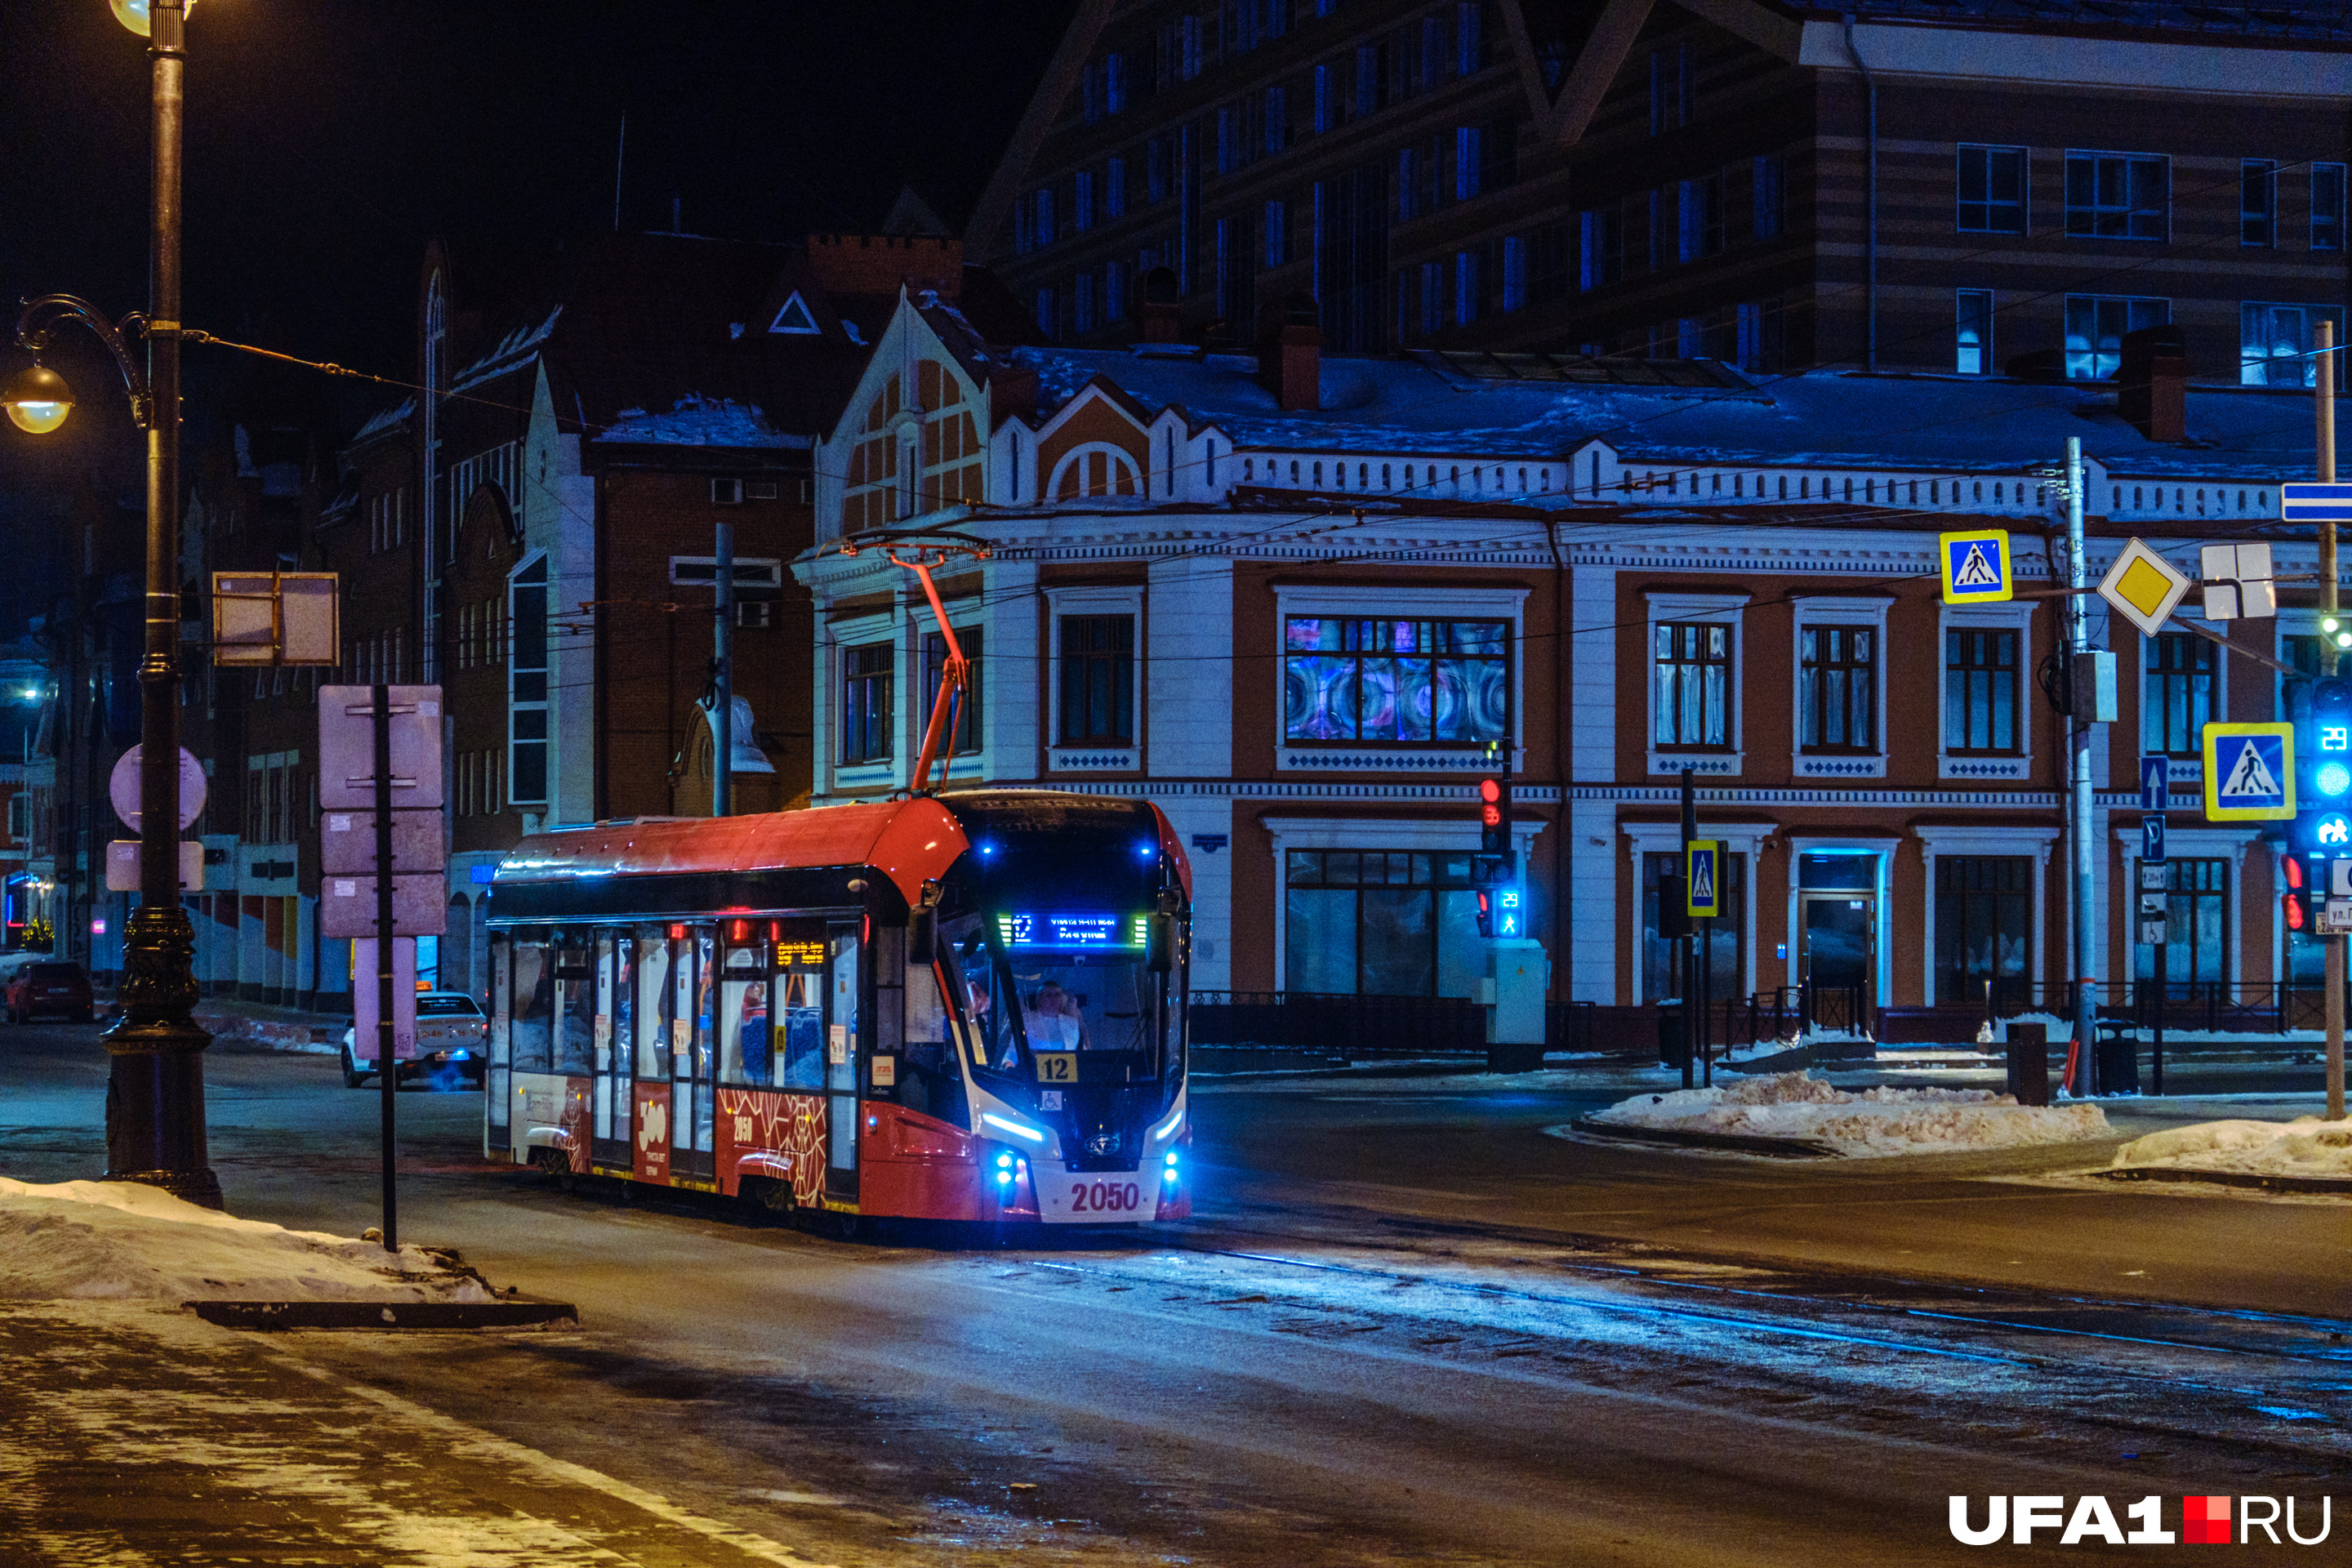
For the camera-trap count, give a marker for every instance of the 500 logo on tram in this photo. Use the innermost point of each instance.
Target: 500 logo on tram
(1103, 1197)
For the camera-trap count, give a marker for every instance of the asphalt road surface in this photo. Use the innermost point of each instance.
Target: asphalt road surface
(1410, 1325)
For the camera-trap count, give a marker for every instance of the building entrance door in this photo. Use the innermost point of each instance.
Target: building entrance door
(1837, 954)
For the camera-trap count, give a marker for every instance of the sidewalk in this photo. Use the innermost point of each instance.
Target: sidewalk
(137, 1434)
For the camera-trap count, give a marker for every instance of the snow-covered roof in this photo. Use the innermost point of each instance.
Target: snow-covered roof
(511, 350)
(698, 421)
(1825, 418)
(385, 420)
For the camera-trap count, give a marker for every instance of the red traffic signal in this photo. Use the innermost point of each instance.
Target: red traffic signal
(2294, 915)
(1486, 913)
(2293, 866)
(1494, 815)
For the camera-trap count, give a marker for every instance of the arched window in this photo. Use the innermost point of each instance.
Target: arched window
(1097, 469)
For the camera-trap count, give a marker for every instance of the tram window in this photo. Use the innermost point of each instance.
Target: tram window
(655, 1009)
(625, 1001)
(502, 1039)
(800, 1011)
(744, 1042)
(534, 1002)
(575, 1015)
(705, 1035)
(979, 979)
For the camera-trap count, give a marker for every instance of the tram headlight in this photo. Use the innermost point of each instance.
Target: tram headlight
(1169, 1173)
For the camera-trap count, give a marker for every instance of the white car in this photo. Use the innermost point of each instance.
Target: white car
(451, 1031)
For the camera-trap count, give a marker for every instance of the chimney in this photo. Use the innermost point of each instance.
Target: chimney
(2152, 386)
(1290, 359)
(1159, 306)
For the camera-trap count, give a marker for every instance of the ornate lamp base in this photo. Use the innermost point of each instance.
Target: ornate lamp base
(155, 1093)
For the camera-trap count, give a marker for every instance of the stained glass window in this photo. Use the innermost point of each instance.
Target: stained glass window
(1392, 681)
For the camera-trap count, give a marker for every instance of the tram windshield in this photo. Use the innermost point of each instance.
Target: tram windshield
(1027, 1000)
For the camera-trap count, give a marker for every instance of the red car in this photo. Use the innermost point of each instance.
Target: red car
(61, 990)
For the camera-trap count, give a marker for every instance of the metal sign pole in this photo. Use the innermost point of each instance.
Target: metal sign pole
(1689, 988)
(2325, 365)
(387, 1065)
(2078, 814)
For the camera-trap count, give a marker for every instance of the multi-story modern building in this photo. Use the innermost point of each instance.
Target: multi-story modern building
(1946, 184)
(1293, 600)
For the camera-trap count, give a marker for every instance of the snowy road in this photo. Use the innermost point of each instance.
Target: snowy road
(1409, 1330)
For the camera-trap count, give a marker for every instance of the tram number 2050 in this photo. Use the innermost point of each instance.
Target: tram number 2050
(1104, 1197)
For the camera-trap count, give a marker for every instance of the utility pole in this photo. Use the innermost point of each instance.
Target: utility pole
(2078, 806)
(722, 679)
(2325, 401)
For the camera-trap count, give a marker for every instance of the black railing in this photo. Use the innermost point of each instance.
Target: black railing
(2218, 1006)
(1339, 1023)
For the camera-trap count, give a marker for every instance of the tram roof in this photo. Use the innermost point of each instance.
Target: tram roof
(908, 841)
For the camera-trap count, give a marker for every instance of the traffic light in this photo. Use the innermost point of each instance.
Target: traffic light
(2329, 738)
(2296, 901)
(1502, 911)
(1494, 814)
(1673, 905)
(1486, 911)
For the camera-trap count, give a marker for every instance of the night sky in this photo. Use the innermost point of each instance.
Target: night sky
(328, 140)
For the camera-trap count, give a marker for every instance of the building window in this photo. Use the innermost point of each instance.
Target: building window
(1396, 681)
(1602, 237)
(1837, 688)
(1380, 923)
(1699, 218)
(1768, 196)
(2118, 195)
(1514, 274)
(1324, 107)
(2178, 698)
(1727, 942)
(2258, 202)
(2328, 206)
(1275, 234)
(1973, 348)
(526, 684)
(1673, 79)
(1276, 118)
(1691, 683)
(865, 703)
(2095, 325)
(1992, 190)
(2275, 341)
(2197, 926)
(1098, 681)
(1981, 666)
(964, 711)
(1984, 914)
(1082, 203)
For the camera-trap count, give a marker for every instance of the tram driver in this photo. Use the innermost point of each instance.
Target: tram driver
(1052, 1020)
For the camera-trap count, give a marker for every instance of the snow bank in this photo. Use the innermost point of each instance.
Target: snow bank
(2306, 1146)
(125, 1241)
(1868, 1121)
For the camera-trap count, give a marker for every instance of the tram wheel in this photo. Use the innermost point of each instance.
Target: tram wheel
(777, 1197)
(556, 1165)
(848, 1227)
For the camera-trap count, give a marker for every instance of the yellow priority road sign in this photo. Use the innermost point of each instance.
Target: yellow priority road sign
(1975, 566)
(2144, 587)
(1703, 878)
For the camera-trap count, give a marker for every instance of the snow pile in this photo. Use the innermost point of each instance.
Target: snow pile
(2306, 1146)
(125, 1241)
(1869, 1121)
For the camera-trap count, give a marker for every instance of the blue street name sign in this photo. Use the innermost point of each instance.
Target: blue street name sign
(2316, 503)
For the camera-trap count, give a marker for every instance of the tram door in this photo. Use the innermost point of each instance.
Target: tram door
(615, 1013)
(693, 1109)
(844, 986)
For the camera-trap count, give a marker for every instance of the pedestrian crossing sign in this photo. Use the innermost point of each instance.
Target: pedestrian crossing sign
(1976, 567)
(1703, 878)
(2248, 772)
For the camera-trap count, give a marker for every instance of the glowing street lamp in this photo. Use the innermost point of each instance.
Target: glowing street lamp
(155, 1093)
(37, 400)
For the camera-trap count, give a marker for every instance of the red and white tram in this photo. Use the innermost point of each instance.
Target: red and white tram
(959, 1008)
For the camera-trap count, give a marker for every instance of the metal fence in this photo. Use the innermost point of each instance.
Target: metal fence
(2217, 1006)
(1339, 1023)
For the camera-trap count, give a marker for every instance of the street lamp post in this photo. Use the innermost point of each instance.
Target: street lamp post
(155, 1093)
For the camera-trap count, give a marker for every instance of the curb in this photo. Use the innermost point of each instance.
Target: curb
(1737, 1142)
(272, 1033)
(384, 1316)
(2341, 1187)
